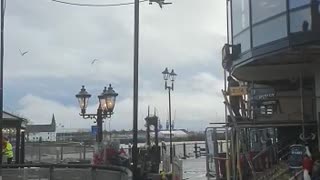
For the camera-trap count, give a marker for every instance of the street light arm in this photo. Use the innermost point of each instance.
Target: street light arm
(95, 116)
(166, 85)
(88, 116)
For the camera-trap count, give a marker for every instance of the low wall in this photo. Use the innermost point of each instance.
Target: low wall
(62, 172)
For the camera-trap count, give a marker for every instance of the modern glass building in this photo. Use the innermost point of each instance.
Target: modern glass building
(273, 48)
(271, 32)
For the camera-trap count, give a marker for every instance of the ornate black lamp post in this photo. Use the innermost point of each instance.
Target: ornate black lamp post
(107, 101)
(169, 76)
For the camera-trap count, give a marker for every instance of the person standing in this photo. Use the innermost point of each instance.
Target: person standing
(7, 150)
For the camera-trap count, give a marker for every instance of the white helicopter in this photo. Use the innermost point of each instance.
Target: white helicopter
(160, 2)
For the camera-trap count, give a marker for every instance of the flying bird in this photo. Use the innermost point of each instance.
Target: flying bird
(23, 53)
(159, 2)
(93, 61)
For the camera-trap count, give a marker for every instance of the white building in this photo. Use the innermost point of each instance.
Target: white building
(43, 132)
(177, 133)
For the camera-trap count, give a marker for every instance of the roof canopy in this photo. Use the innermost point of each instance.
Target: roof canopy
(13, 121)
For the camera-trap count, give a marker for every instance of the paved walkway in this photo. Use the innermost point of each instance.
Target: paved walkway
(194, 169)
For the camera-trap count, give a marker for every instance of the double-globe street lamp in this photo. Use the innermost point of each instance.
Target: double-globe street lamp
(169, 76)
(107, 101)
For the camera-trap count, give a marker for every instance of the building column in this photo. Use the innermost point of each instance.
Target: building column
(17, 156)
(22, 148)
(317, 93)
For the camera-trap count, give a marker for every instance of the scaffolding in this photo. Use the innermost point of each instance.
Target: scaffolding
(241, 161)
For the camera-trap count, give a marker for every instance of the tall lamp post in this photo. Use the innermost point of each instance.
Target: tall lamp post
(107, 101)
(169, 76)
(1, 73)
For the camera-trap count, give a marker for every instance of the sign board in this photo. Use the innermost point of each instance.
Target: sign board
(237, 91)
(94, 130)
(262, 93)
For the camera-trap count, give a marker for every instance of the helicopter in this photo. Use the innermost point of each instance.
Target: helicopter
(160, 2)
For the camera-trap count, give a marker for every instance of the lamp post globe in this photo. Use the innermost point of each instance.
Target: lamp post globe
(110, 99)
(172, 75)
(102, 100)
(107, 100)
(166, 74)
(83, 98)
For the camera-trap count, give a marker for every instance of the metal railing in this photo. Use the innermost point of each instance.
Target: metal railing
(187, 149)
(64, 171)
(57, 153)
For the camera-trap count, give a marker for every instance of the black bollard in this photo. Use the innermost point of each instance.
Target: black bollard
(84, 152)
(174, 150)
(196, 150)
(184, 150)
(130, 151)
(61, 153)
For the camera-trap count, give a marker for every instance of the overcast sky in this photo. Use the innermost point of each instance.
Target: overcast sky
(62, 41)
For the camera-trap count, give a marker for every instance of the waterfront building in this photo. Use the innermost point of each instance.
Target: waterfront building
(42, 132)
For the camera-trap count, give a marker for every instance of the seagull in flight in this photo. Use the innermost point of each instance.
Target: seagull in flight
(23, 53)
(159, 2)
(93, 61)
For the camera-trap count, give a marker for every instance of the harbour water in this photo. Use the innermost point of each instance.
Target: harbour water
(194, 169)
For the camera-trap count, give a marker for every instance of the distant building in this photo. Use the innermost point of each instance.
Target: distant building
(43, 133)
(177, 133)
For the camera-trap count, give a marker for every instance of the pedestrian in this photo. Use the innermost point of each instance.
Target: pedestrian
(7, 150)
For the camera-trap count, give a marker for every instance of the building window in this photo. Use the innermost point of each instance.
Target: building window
(269, 30)
(240, 14)
(241, 24)
(264, 9)
(298, 3)
(243, 39)
(299, 19)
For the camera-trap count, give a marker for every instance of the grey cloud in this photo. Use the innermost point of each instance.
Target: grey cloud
(62, 41)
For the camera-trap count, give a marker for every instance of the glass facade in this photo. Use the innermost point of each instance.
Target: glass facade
(297, 3)
(240, 14)
(269, 31)
(267, 21)
(241, 23)
(243, 39)
(264, 9)
(299, 19)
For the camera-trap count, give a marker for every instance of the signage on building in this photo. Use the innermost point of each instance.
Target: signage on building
(237, 91)
(263, 93)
